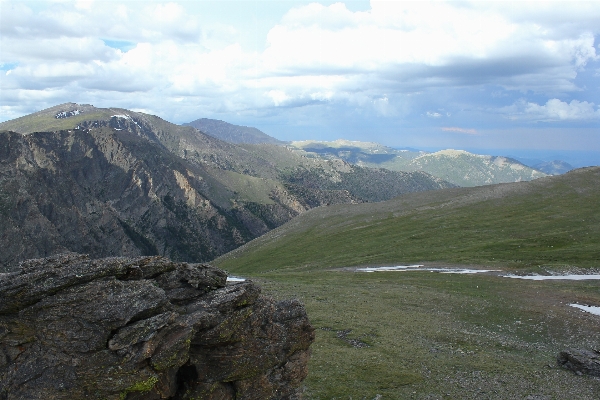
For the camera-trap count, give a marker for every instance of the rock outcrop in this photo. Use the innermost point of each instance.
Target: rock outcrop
(580, 361)
(145, 328)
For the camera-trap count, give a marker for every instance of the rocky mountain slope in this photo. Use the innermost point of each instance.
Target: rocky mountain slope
(456, 166)
(232, 133)
(154, 330)
(116, 182)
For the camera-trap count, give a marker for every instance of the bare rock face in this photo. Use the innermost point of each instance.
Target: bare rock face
(580, 361)
(145, 328)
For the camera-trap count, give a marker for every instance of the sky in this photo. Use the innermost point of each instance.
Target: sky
(503, 78)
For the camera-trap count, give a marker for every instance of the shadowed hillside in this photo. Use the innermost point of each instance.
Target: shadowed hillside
(232, 133)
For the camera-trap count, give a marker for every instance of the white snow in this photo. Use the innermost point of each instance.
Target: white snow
(67, 114)
(422, 268)
(125, 116)
(468, 271)
(591, 309)
(235, 279)
(396, 268)
(554, 277)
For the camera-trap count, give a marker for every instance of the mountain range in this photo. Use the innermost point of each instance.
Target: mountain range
(110, 181)
(456, 166)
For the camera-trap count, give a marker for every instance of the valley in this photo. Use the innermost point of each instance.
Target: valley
(299, 200)
(308, 222)
(111, 182)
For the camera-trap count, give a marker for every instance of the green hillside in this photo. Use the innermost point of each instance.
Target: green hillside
(550, 221)
(60, 117)
(423, 335)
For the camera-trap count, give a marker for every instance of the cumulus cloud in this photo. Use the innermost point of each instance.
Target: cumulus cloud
(316, 54)
(409, 47)
(555, 110)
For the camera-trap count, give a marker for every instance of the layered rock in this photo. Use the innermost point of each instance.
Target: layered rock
(145, 328)
(580, 361)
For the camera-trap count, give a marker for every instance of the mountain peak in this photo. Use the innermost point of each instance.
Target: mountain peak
(231, 133)
(60, 117)
(452, 153)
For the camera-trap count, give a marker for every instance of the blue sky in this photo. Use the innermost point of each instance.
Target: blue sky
(510, 78)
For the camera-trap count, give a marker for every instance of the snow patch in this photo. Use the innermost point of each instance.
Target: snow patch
(591, 309)
(67, 114)
(396, 268)
(554, 277)
(125, 116)
(422, 268)
(235, 279)
(467, 271)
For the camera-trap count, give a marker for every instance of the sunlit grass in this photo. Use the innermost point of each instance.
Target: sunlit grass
(442, 335)
(432, 335)
(551, 224)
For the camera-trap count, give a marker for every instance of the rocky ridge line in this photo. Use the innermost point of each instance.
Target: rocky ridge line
(145, 328)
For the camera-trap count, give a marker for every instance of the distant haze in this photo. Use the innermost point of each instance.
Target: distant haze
(576, 158)
(523, 76)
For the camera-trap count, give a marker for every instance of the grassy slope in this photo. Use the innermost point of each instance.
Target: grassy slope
(550, 221)
(441, 336)
(44, 120)
(432, 335)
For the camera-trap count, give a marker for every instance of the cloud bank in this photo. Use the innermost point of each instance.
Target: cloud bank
(397, 61)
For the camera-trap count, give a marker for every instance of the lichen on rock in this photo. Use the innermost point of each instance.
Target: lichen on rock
(145, 328)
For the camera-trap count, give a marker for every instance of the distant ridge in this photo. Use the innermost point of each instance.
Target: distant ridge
(455, 166)
(556, 167)
(232, 133)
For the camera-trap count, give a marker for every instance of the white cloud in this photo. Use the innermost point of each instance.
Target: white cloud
(84, 4)
(316, 55)
(556, 110)
(382, 107)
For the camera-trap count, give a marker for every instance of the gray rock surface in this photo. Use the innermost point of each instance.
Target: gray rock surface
(580, 361)
(145, 328)
(113, 182)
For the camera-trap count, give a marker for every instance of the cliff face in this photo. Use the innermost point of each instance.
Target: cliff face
(145, 328)
(104, 192)
(110, 182)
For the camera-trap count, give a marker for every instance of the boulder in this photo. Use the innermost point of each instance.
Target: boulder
(580, 361)
(145, 328)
